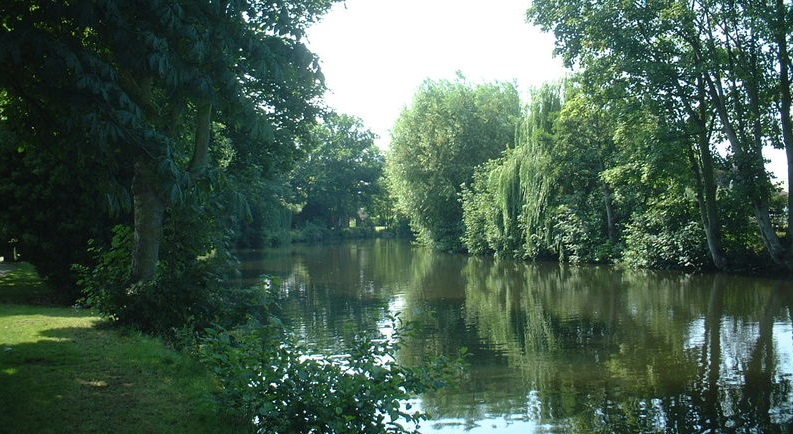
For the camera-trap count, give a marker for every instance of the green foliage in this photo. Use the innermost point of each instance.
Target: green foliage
(152, 93)
(310, 232)
(282, 387)
(339, 179)
(103, 284)
(187, 295)
(51, 207)
(666, 236)
(713, 72)
(480, 214)
(271, 206)
(578, 236)
(507, 207)
(450, 128)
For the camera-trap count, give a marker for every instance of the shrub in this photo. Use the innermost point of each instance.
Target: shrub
(282, 387)
(185, 295)
(652, 242)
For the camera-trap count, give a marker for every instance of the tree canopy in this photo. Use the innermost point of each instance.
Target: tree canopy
(716, 71)
(133, 95)
(340, 176)
(449, 129)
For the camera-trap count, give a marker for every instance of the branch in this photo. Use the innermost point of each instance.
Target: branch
(200, 159)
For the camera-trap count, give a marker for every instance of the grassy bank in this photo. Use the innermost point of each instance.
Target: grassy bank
(61, 371)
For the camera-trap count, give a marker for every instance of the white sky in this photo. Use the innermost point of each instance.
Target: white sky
(375, 53)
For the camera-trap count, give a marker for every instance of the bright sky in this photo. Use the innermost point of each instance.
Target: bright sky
(375, 53)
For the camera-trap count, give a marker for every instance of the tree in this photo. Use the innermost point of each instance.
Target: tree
(716, 66)
(51, 205)
(340, 177)
(450, 128)
(547, 196)
(585, 144)
(140, 84)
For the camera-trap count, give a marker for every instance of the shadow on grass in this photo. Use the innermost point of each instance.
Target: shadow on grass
(89, 380)
(21, 284)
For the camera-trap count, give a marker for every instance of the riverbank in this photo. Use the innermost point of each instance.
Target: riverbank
(62, 370)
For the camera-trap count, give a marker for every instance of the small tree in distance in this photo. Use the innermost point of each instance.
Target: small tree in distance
(340, 177)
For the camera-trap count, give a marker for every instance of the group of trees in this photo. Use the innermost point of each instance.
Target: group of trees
(336, 184)
(197, 126)
(140, 141)
(651, 154)
(188, 122)
(450, 128)
(149, 105)
(340, 179)
(712, 72)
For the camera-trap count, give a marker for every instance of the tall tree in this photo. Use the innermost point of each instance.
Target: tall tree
(585, 144)
(505, 208)
(711, 63)
(139, 84)
(449, 129)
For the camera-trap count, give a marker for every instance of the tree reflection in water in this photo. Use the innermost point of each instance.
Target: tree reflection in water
(560, 348)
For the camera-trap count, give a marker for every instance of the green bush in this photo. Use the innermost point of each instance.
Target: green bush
(282, 387)
(654, 241)
(310, 232)
(185, 295)
(579, 239)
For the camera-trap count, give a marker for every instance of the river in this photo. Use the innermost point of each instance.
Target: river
(556, 348)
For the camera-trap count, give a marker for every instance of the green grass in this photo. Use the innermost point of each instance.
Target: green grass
(23, 285)
(63, 371)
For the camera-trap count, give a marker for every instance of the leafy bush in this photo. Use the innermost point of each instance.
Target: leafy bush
(310, 232)
(653, 241)
(578, 235)
(185, 295)
(281, 387)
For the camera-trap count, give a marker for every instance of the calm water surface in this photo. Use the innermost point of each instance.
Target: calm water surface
(557, 348)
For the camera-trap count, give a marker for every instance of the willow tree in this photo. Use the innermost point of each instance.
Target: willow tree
(449, 129)
(506, 208)
(139, 85)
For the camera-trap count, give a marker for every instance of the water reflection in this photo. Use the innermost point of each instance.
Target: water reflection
(559, 348)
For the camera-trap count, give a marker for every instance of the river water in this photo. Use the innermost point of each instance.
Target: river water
(556, 348)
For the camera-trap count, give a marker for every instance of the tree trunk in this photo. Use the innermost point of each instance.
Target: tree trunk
(751, 173)
(611, 217)
(783, 54)
(148, 214)
(702, 165)
(200, 160)
(708, 210)
(779, 254)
